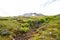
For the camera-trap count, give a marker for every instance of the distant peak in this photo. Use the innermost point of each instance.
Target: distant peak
(33, 14)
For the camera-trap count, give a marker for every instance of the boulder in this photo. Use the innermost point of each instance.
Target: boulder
(4, 33)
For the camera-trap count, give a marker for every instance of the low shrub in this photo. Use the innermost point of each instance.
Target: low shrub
(24, 29)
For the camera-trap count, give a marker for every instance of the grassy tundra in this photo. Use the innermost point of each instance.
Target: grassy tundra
(30, 28)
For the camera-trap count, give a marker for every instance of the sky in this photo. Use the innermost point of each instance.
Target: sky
(19, 7)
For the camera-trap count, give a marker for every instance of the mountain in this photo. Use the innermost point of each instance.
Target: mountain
(33, 14)
(58, 15)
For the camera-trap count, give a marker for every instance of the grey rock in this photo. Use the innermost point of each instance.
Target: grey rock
(4, 33)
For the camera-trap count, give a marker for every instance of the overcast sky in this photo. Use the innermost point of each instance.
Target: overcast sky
(19, 7)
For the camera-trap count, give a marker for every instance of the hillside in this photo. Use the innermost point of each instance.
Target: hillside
(30, 28)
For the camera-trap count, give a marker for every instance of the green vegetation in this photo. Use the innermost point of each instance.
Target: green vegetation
(24, 29)
(40, 27)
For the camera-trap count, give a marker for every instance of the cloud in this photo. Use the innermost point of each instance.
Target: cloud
(49, 2)
(19, 7)
(52, 9)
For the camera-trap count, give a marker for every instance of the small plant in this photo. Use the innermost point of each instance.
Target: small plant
(25, 25)
(42, 20)
(24, 29)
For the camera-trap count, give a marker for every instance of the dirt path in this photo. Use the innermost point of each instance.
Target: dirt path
(29, 34)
